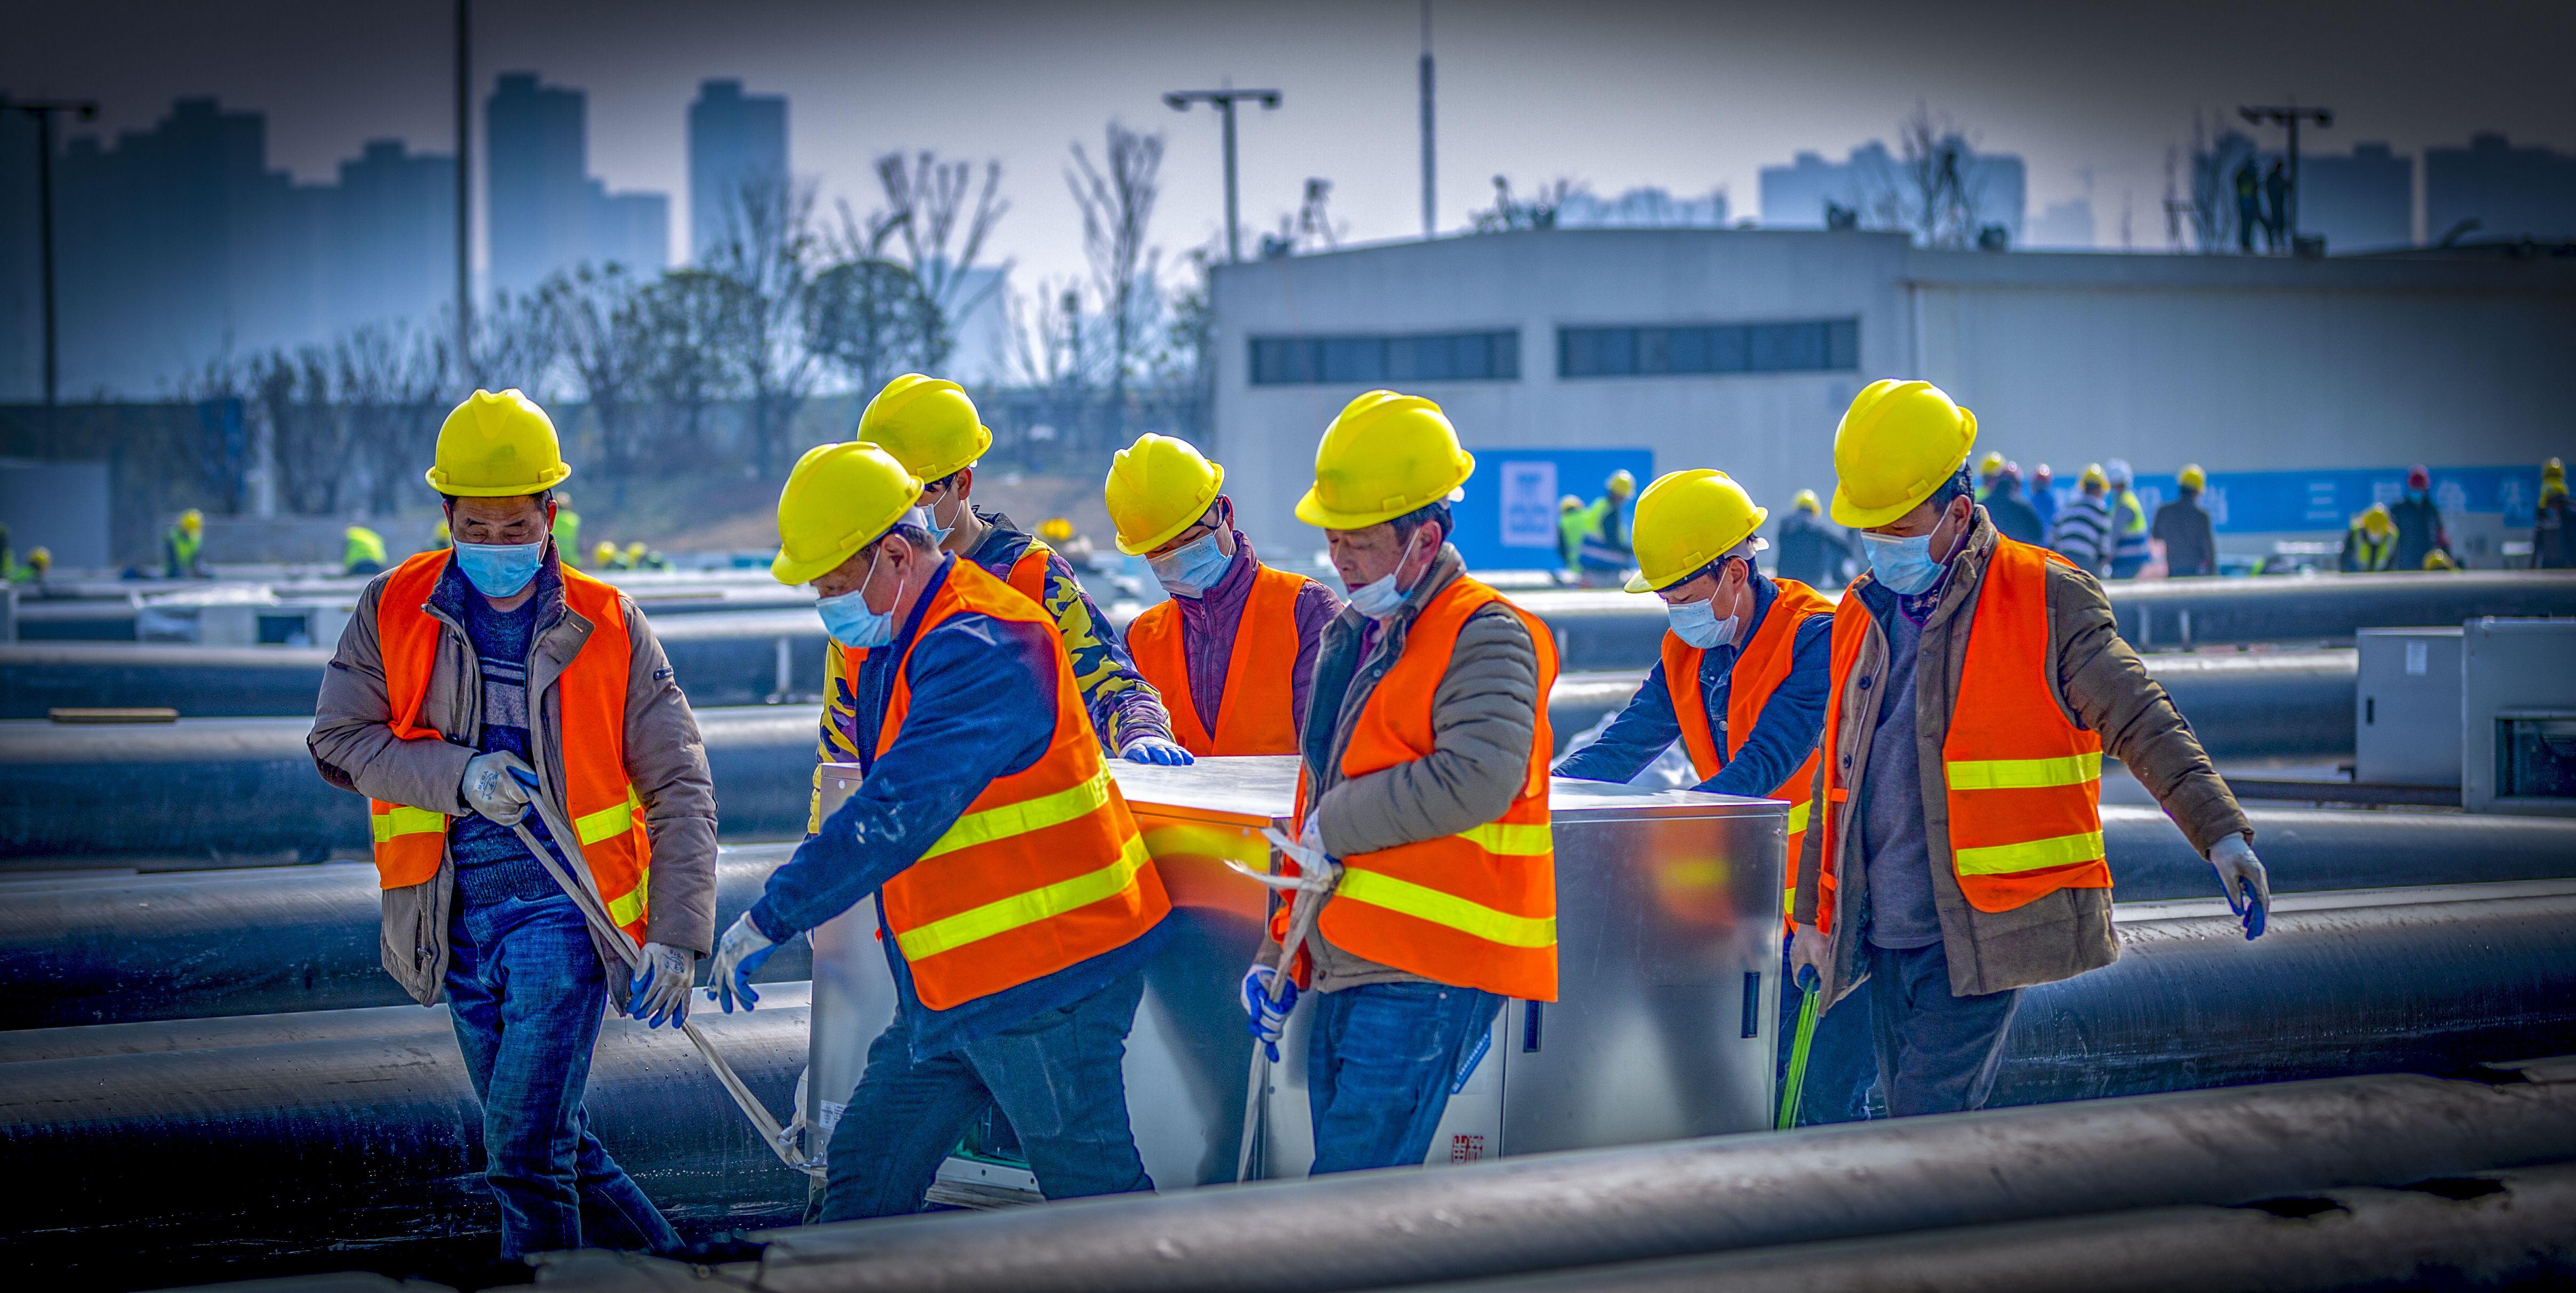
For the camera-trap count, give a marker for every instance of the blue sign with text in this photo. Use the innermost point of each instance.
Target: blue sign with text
(1507, 516)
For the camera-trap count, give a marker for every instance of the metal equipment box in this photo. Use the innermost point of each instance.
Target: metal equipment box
(2518, 717)
(2406, 708)
(1668, 930)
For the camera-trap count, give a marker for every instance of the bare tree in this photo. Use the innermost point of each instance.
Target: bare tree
(685, 319)
(219, 451)
(1117, 200)
(392, 382)
(1943, 188)
(867, 316)
(767, 256)
(514, 346)
(308, 438)
(1537, 211)
(925, 201)
(2213, 195)
(602, 328)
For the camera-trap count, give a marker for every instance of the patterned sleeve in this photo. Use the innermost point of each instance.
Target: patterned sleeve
(1123, 706)
(839, 742)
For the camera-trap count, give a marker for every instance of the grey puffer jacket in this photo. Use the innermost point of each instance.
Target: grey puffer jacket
(354, 746)
(1484, 717)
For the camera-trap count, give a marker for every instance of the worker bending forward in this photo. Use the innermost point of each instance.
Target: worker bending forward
(1977, 683)
(1425, 774)
(1233, 650)
(1742, 686)
(1016, 900)
(471, 684)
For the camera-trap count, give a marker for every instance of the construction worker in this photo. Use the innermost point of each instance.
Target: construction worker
(183, 547)
(441, 538)
(40, 562)
(1233, 651)
(2370, 545)
(567, 528)
(2012, 514)
(2130, 548)
(2418, 521)
(2043, 497)
(1988, 467)
(1018, 942)
(604, 556)
(1571, 526)
(1599, 533)
(1741, 684)
(1812, 552)
(2082, 533)
(2182, 528)
(2553, 537)
(931, 427)
(1425, 774)
(471, 687)
(362, 551)
(638, 556)
(1991, 674)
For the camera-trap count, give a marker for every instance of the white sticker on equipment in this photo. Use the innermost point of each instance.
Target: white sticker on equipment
(2416, 653)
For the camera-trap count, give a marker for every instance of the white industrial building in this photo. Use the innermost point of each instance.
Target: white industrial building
(2305, 387)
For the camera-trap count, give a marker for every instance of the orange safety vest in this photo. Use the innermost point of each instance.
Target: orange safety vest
(1257, 714)
(1044, 869)
(1476, 909)
(607, 814)
(1027, 573)
(1759, 670)
(2024, 783)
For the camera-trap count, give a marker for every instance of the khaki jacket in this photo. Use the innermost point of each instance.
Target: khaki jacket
(2100, 685)
(354, 747)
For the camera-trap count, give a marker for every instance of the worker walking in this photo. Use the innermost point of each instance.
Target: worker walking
(1976, 684)
(2043, 497)
(1988, 469)
(2182, 526)
(2082, 533)
(2418, 522)
(471, 686)
(2553, 538)
(2130, 548)
(1233, 651)
(1810, 551)
(2012, 515)
(183, 547)
(1425, 757)
(1599, 533)
(1741, 684)
(2370, 545)
(1016, 901)
(362, 551)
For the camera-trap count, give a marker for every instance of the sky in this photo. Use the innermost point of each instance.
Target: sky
(1608, 93)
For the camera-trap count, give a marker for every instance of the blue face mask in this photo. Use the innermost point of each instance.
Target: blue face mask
(1192, 568)
(938, 533)
(1697, 624)
(1904, 565)
(849, 620)
(500, 569)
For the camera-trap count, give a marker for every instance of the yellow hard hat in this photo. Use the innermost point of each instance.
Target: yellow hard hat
(929, 425)
(1621, 484)
(2374, 520)
(2192, 477)
(2553, 469)
(1990, 464)
(1897, 443)
(441, 532)
(603, 553)
(1383, 456)
(1806, 501)
(497, 446)
(839, 499)
(1158, 487)
(1685, 520)
(41, 558)
(2093, 476)
(1569, 503)
(2438, 560)
(634, 550)
(192, 520)
(1056, 529)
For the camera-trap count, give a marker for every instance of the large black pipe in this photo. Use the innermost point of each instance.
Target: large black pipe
(198, 944)
(1577, 1210)
(179, 1166)
(2328, 609)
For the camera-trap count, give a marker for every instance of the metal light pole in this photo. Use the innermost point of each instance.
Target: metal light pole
(1430, 207)
(43, 111)
(464, 192)
(2289, 114)
(1224, 101)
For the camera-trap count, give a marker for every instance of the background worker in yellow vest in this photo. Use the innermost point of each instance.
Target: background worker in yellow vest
(1956, 856)
(1233, 650)
(1016, 901)
(470, 687)
(362, 551)
(183, 547)
(1425, 774)
(931, 427)
(566, 529)
(1741, 684)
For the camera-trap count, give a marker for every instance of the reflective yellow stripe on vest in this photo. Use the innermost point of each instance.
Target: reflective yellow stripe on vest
(1797, 823)
(628, 907)
(608, 823)
(2003, 859)
(406, 820)
(1028, 908)
(1037, 814)
(2023, 774)
(1423, 903)
(1512, 840)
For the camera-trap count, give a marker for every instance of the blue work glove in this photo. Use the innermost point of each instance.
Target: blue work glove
(660, 988)
(2242, 879)
(1268, 1015)
(739, 955)
(1154, 749)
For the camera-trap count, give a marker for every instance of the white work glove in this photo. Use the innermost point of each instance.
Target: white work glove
(2241, 878)
(660, 988)
(1807, 952)
(497, 785)
(739, 955)
(1154, 749)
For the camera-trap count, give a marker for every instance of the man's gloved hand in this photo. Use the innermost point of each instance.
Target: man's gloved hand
(1807, 952)
(497, 785)
(2241, 878)
(1268, 1015)
(660, 988)
(739, 955)
(1154, 749)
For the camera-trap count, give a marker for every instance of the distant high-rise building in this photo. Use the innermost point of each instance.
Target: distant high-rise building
(2063, 226)
(630, 229)
(1874, 186)
(22, 317)
(546, 212)
(2364, 201)
(392, 251)
(2511, 192)
(734, 138)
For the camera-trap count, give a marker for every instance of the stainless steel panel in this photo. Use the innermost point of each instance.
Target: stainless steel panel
(2406, 708)
(2516, 689)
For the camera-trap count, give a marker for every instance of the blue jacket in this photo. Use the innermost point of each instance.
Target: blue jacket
(1789, 725)
(983, 706)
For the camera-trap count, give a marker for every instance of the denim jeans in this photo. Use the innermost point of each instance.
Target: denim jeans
(526, 992)
(1057, 1077)
(1379, 1063)
(1842, 1066)
(1937, 1053)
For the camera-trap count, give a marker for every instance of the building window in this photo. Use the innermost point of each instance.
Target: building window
(1426, 357)
(1806, 346)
